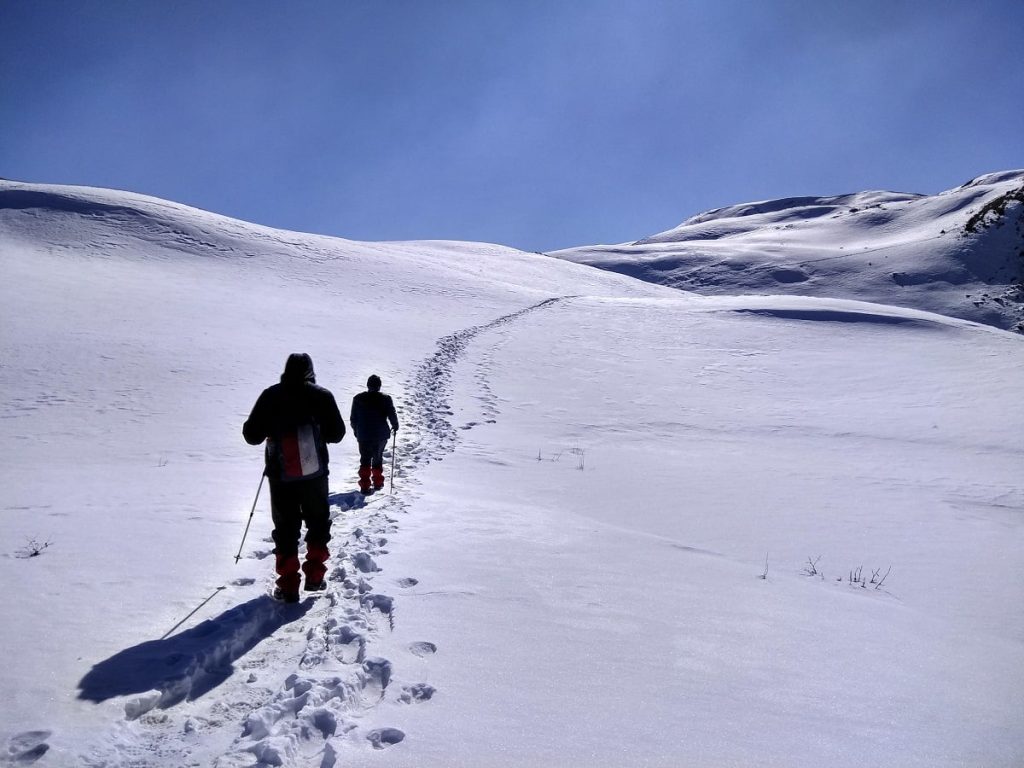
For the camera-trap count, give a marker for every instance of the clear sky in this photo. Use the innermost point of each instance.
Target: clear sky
(535, 123)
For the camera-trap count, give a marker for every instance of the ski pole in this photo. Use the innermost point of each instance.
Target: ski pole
(394, 446)
(251, 513)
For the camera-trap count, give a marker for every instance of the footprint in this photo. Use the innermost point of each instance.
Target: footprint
(27, 747)
(374, 679)
(244, 582)
(382, 738)
(348, 645)
(422, 649)
(417, 692)
(325, 721)
(330, 759)
(364, 563)
(408, 582)
(378, 671)
(382, 603)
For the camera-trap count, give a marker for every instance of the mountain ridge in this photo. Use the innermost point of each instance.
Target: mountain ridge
(959, 252)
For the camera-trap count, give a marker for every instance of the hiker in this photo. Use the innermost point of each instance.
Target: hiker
(373, 419)
(297, 418)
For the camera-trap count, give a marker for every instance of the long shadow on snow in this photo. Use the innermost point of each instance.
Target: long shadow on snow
(191, 663)
(840, 316)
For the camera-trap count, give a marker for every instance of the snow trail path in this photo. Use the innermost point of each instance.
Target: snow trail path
(269, 684)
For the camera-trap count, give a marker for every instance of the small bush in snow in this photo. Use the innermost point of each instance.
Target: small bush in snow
(855, 577)
(580, 455)
(811, 569)
(32, 549)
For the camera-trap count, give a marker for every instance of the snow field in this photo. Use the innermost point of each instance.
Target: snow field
(136, 336)
(629, 509)
(591, 471)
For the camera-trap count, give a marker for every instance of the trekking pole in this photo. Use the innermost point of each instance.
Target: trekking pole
(251, 513)
(394, 445)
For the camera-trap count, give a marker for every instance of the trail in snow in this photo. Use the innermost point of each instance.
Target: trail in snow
(270, 684)
(432, 386)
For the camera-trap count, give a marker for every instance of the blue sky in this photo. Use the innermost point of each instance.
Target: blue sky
(538, 124)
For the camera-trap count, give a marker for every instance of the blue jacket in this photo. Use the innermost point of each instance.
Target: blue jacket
(373, 417)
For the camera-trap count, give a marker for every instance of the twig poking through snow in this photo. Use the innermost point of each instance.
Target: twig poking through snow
(32, 549)
(580, 455)
(881, 581)
(811, 569)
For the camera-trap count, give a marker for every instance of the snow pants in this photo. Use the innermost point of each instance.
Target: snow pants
(371, 463)
(291, 504)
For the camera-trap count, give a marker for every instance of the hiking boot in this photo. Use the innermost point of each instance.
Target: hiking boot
(364, 480)
(316, 586)
(285, 597)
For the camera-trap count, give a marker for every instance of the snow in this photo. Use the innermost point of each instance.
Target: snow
(958, 253)
(624, 530)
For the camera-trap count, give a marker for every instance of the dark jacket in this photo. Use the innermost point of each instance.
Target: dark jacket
(372, 412)
(297, 400)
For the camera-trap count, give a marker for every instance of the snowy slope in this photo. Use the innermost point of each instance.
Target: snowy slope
(959, 253)
(591, 472)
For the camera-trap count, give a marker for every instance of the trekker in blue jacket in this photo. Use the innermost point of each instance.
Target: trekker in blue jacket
(373, 420)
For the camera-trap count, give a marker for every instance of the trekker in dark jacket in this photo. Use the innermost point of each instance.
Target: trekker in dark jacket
(373, 419)
(297, 418)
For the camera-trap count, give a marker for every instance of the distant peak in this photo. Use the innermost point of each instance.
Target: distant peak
(743, 218)
(796, 204)
(998, 177)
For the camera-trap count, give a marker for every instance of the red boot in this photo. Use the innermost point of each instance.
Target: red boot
(314, 567)
(364, 479)
(378, 478)
(288, 578)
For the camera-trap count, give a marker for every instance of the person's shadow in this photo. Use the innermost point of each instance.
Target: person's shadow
(347, 500)
(191, 663)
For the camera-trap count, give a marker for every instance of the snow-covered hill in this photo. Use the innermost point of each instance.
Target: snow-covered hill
(959, 253)
(631, 525)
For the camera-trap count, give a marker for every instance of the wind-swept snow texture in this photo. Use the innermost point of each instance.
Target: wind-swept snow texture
(959, 253)
(631, 525)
